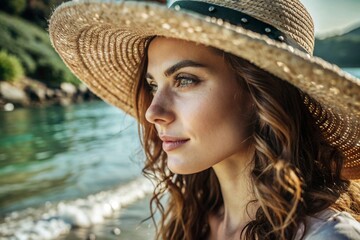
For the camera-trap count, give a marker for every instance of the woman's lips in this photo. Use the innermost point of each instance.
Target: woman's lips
(171, 145)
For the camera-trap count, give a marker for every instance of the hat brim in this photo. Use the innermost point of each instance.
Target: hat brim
(102, 43)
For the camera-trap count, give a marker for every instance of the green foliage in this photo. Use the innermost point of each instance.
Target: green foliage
(10, 67)
(13, 6)
(342, 50)
(32, 46)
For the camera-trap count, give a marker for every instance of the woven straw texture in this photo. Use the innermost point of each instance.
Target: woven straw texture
(103, 43)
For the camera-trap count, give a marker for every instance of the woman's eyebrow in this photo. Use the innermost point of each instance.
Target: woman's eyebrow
(179, 65)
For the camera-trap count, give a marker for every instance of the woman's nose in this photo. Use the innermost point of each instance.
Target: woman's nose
(160, 110)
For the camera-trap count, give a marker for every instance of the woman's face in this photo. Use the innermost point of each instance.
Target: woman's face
(198, 108)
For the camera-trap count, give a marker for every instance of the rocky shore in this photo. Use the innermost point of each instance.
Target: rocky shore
(32, 93)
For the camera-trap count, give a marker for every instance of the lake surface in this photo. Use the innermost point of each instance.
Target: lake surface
(60, 154)
(353, 71)
(62, 167)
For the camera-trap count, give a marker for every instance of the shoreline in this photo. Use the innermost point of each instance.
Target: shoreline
(29, 92)
(131, 222)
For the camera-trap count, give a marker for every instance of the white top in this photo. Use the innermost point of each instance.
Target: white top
(330, 224)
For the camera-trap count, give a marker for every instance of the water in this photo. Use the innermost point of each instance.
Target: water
(71, 172)
(69, 164)
(353, 71)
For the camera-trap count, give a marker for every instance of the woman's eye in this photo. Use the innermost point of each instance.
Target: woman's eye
(185, 81)
(153, 87)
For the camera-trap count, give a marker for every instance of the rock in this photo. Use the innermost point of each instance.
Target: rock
(82, 88)
(30, 92)
(69, 89)
(65, 101)
(9, 107)
(116, 231)
(35, 93)
(12, 94)
(49, 93)
(84, 93)
(58, 93)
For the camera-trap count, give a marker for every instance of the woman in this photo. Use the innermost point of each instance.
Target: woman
(247, 134)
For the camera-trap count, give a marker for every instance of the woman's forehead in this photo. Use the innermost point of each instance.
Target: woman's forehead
(171, 50)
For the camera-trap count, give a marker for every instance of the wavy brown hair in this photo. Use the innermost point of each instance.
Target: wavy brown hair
(295, 173)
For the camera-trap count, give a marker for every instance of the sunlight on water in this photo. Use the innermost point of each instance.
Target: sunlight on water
(57, 153)
(54, 220)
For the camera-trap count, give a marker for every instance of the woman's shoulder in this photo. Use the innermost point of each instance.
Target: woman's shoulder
(331, 224)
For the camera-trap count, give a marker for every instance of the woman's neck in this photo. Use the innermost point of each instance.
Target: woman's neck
(237, 192)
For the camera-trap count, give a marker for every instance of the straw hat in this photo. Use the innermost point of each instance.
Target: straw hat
(102, 42)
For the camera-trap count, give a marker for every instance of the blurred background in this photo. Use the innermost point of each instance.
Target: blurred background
(70, 164)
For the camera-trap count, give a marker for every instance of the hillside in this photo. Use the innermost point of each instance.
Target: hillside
(342, 50)
(31, 44)
(47, 80)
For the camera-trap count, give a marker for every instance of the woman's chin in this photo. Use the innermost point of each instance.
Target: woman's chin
(180, 167)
